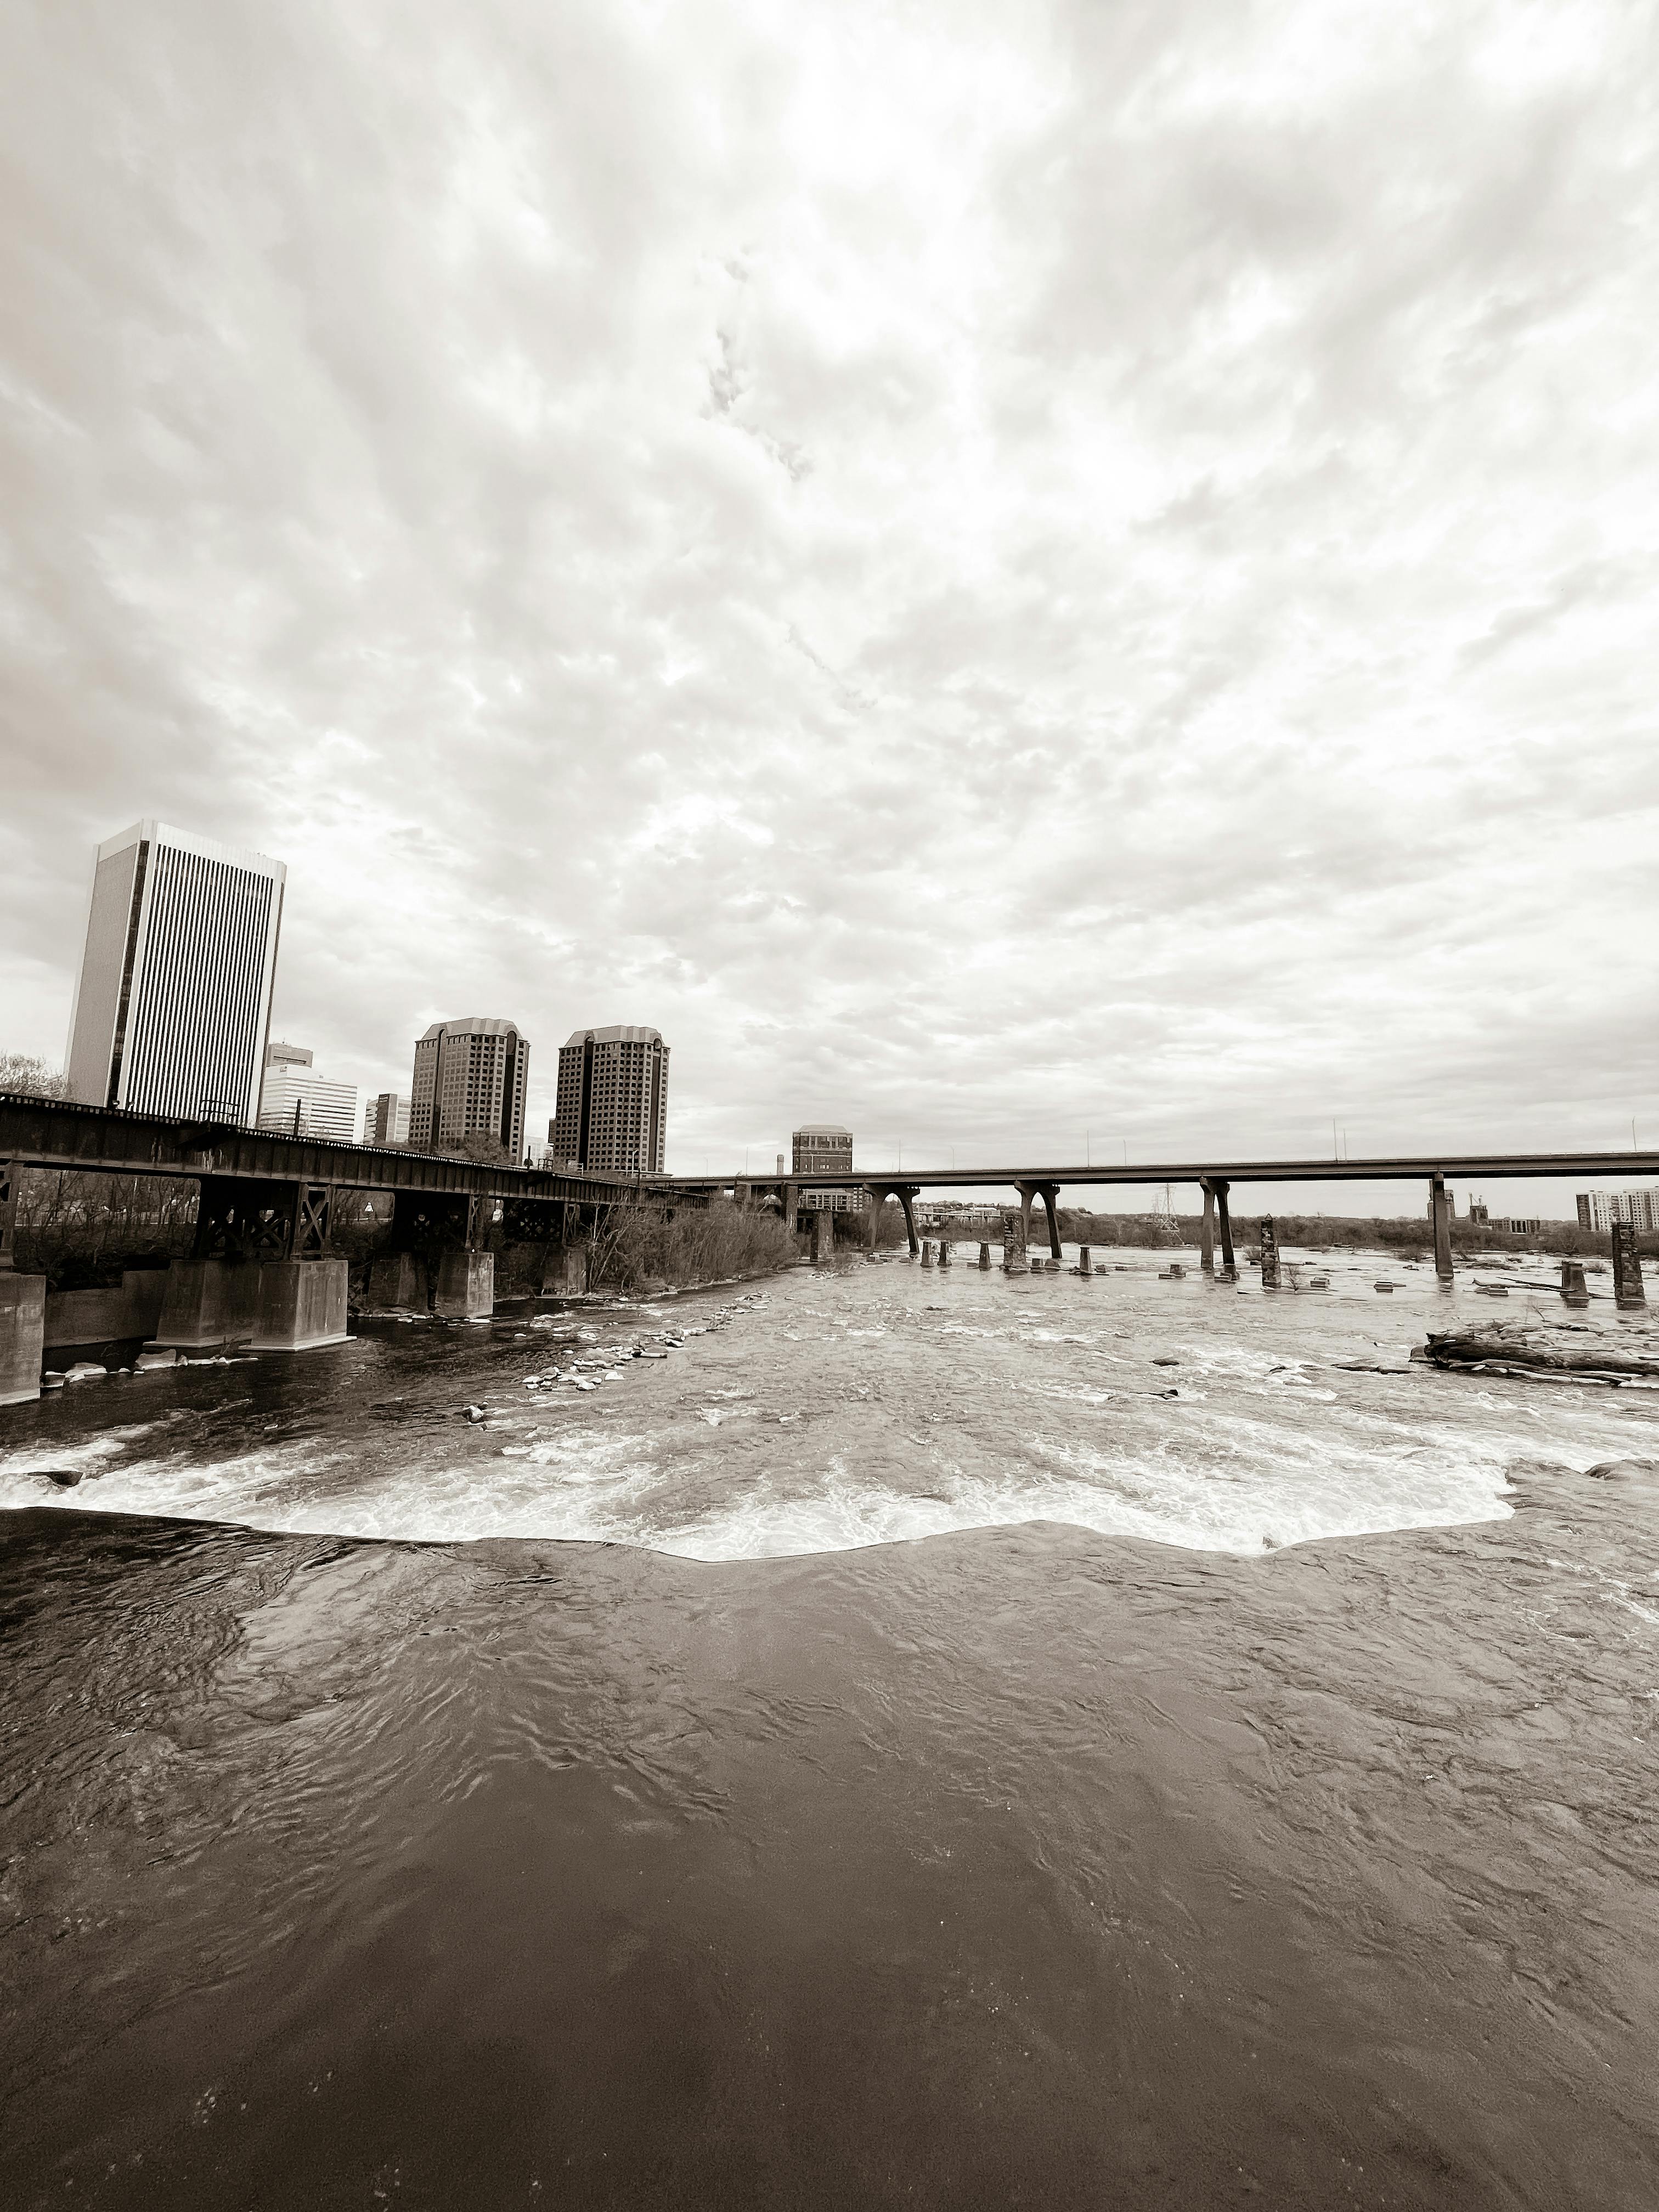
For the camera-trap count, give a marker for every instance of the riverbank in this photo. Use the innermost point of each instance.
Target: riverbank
(1021, 1865)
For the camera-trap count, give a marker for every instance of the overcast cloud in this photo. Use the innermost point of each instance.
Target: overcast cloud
(1008, 575)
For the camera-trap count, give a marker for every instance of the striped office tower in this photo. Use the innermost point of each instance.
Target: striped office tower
(172, 1007)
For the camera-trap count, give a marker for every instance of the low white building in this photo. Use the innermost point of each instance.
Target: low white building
(299, 1102)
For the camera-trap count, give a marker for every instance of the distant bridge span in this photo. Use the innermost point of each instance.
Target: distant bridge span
(1212, 1177)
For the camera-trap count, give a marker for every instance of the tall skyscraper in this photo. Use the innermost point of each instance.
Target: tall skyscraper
(613, 1101)
(386, 1118)
(825, 1148)
(173, 1003)
(302, 1103)
(470, 1080)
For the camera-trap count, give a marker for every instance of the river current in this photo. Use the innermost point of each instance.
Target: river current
(863, 1404)
(878, 1736)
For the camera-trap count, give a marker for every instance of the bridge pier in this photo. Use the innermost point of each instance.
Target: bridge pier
(397, 1284)
(1440, 1210)
(23, 1336)
(984, 1255)
(943, 1252)
(1014, 1261)
(816, 1238)
(465, 1289)
(1224, 1223)
(1207, 1229)
(301, 1305)
(927, 1252)
(1085, 1263)
(1049, 1193)
(1269, 1254)
(207, 1304)
(1628, 1288)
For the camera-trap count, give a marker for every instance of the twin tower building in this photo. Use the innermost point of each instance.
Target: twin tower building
(172, 1004)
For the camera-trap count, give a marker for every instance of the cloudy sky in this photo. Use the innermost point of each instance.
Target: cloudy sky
(1018, 576)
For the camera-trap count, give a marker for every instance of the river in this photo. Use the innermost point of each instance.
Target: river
(927, 1737)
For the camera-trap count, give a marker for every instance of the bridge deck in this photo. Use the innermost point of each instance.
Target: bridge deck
(60, 1133)
(1416, 1168)
(57, 1132)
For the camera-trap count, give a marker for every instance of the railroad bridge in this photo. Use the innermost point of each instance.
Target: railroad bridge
(260, 1269)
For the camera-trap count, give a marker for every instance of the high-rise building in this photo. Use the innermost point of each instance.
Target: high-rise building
(300, 1103)
(612, 1101)
(173, 1003)
(1600, 1209)
(470, 1081)
(386, 1118)
(825, 1148)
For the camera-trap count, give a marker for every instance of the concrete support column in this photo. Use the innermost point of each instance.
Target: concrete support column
(22, 1335)
(1224, 1223)
(1574, 1288)
(397, 1284)
(789, 1193)
(905, 1198)
(1050, 1197)
(984, 1255)
(565, 1272)
(822, 1225)
(1085, 1264)
(1027, 1194)
(1207, 1230)
(303, 1305)
(466, 1284)
(1628, 1288)
(1269, 1254)
(927, 1252)
(11, 1191)
(209, 1303)
(1440, 1205)
(944, 1253)
(1013, 1243)
(878, 1196)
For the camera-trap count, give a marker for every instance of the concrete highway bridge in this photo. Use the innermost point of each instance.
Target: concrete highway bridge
(1213, 1179)
(261, 1270)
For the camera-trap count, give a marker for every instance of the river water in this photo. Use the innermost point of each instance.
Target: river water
(882, 1735)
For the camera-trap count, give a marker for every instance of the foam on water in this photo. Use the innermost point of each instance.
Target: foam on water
(845, 1415)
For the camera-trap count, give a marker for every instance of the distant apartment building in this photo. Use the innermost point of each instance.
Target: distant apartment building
(1600, 1209)
(825, 1148)
(386, 1118)
(470, 1077)
(302, 1103)
(173, 1003)
(613, 1106)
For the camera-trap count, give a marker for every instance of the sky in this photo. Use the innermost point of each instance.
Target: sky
(1023, 578)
